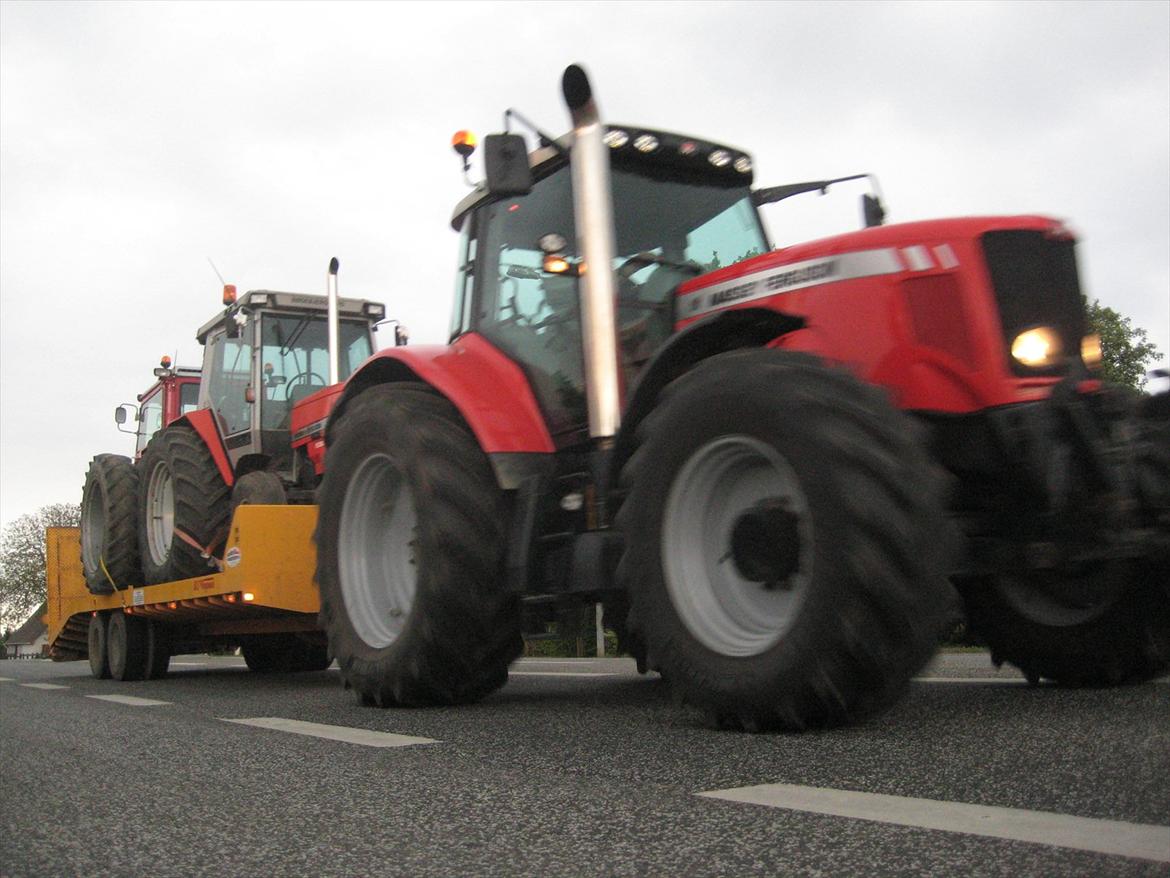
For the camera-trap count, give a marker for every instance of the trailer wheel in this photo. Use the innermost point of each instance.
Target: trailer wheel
(410, 554)
(158, 651)
(109, 529)
(785, 544)
(126, 645)
(99, 657)
(284, 653)
(180, 493)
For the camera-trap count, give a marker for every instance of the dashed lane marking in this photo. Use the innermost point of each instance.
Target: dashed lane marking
(365, 737)
(1114, 837)
(557, 674)
(1008, 681)
(131, 700)
(7, 679)
(43, 686)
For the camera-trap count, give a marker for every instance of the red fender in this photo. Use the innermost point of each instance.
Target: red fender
(203, 422)
(488, 389)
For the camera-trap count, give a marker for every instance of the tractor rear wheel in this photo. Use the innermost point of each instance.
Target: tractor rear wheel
(109, 529)
(784, 543)
(184, 506)
(410, 550)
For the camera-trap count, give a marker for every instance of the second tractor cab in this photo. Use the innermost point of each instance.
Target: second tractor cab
(173, 394)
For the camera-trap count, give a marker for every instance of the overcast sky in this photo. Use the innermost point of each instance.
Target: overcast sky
(138, 140)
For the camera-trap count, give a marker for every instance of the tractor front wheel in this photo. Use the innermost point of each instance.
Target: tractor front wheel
(784, 543)
(183, 506)
(410, 554)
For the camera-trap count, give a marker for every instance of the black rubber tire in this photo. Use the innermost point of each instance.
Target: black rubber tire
(873, 558)
(284, 653)
(126, 645)
(99, 657)
(462, 629)
(158, 651)
(109, 528)
(258, 488)
(1125, 638)
(202, 506)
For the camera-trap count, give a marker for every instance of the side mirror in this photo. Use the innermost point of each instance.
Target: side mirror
(505, 161)
(872, 210)
(122, 415)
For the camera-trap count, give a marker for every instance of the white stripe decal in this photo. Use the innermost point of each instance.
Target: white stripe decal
(130, 700)
(917, 258)
(1114, 837)
(946, 256)
(345, 734)
(787, 278)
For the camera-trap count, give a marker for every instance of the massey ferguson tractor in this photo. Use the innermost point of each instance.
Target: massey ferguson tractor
(778, 473)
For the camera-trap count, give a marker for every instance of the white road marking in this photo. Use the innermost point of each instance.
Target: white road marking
(1114, 837)
(43, 686)
(558, 674)
(348, 735)
(189, 664)
(7, 679)
(131, 700)
(1010, 681)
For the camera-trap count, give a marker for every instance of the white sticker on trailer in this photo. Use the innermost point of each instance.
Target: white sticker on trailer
(788, 278)
(139, 597)
(233, 557)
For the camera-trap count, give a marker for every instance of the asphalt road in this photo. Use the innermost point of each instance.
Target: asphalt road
(574, 768)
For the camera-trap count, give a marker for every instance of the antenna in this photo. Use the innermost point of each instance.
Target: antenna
(216, 270)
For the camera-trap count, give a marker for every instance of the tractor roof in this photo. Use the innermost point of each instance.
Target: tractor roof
(274, 302)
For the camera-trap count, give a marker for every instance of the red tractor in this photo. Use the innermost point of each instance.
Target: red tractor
(773, 471)
(165, 516)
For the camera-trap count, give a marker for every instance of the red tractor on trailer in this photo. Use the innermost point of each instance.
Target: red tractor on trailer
(772, 473)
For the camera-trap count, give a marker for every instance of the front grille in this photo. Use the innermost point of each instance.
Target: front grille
(1036, 284)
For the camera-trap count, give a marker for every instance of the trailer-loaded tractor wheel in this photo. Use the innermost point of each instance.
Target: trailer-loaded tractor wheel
(183, 506)
(785, 543)
(410, 554)
(109, 529)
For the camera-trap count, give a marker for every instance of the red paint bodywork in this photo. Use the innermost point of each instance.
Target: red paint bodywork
(203, 422)
(930, 335)
(308, 423)
(490, 391)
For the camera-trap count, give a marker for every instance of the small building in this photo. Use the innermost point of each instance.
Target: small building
(30, 640)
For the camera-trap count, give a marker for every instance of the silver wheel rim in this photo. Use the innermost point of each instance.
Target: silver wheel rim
(720, 483)
(375, 551)
(160, 514)
(93, 526)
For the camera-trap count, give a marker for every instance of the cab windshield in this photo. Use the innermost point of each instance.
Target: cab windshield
(667, 232)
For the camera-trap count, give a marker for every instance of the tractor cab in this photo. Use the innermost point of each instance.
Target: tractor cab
(174, 393)
(682, 207)
(265, 353)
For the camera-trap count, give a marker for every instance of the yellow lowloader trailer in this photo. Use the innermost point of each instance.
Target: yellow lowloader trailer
(261, 597)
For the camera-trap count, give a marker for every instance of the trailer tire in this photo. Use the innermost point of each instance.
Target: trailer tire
(158, 651)
(109, 527)
(99, 657)
(180, 491)
(410, 549)
(785, 543)
(126, 644)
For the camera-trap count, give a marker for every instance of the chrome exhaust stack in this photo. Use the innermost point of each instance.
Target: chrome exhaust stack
(593, 213)
(332, 319)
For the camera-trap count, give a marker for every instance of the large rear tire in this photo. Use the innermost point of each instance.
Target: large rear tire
(410, 554)
(180, 492)
(109, 529)
(785, 543)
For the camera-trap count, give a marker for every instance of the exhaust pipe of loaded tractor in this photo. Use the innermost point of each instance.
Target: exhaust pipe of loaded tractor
(593, 212)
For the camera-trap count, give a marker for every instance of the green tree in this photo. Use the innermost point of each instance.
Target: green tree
(1126, 351)
(22, 559)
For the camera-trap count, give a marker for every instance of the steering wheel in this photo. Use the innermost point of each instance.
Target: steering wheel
(303, 378)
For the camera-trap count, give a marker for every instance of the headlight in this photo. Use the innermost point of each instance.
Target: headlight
(1091, 350)
(1037, 348)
